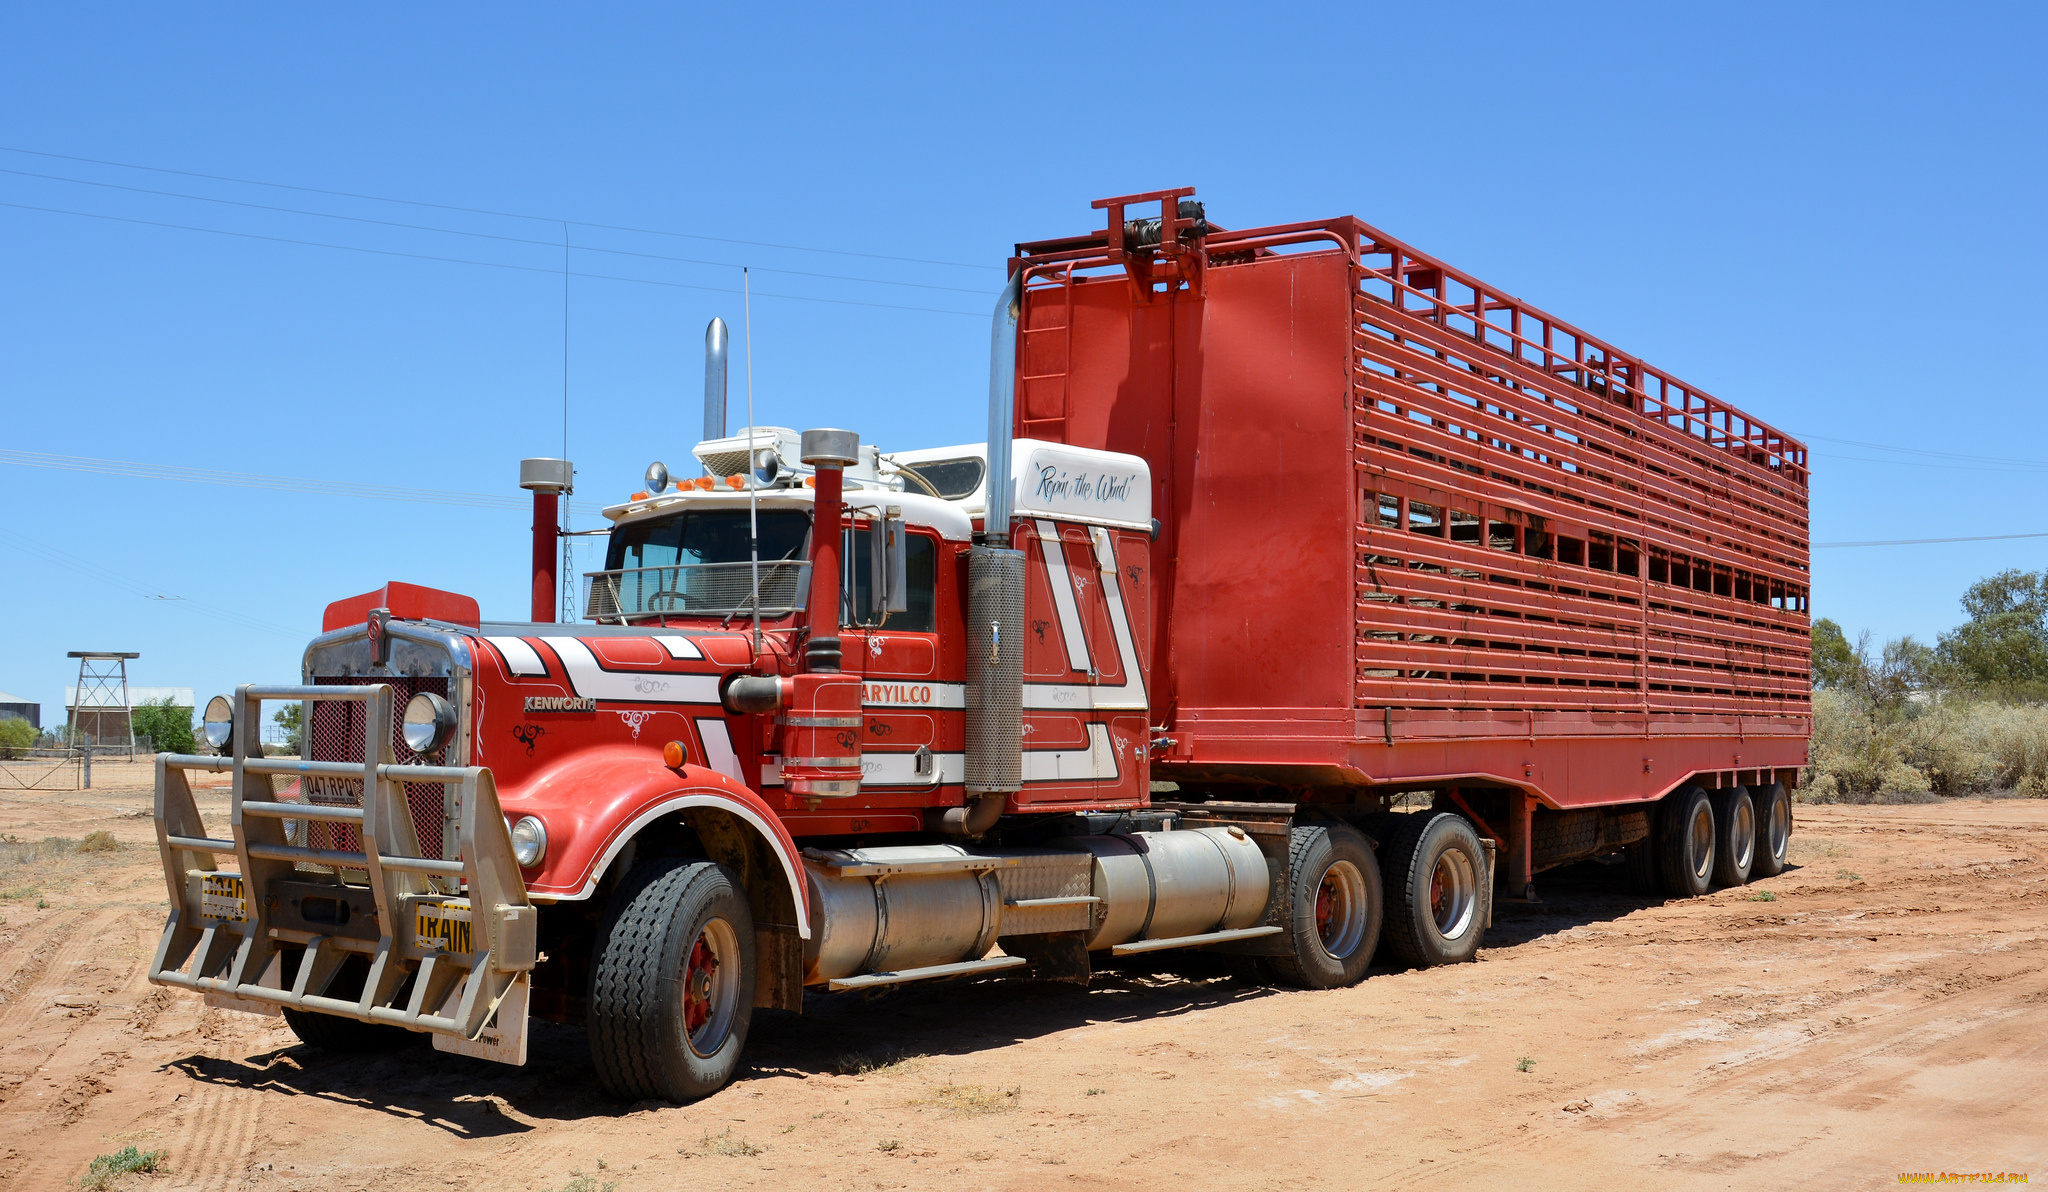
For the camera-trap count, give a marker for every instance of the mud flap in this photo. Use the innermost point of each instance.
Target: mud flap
(504, 1045)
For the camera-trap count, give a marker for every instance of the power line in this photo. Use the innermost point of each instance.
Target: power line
(295, 484)
(1921, 463)
(388, 223)
(1927, 541)
(118, 580)
(416, 256)
(342, 194)
(2034, 463)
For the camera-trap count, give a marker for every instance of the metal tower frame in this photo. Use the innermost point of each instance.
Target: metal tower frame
(101, 672)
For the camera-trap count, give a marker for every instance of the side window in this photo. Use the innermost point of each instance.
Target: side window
(921, 583)
(923, 578)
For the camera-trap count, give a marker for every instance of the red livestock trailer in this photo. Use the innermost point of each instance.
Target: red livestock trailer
(1419, 532)
(1271, 527)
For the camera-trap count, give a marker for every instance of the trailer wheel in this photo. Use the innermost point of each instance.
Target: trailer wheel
(672, 982)
(331, 1032)
(1436, 889)
(1773, 830)
(1335, 916)
(1734, 835)
(1685, 843)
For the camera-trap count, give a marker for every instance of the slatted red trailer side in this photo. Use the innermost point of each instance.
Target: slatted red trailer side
(1417, 532)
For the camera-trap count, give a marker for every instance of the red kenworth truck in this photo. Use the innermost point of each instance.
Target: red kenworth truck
(1272, 526)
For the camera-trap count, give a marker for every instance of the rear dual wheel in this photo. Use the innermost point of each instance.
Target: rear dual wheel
(1700, 839)
(1734, 835)
(1773, 829)
(672, 982)
(1437, 890)
(1335, 923)
(1685, 843)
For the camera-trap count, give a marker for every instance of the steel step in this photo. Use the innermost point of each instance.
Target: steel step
(871, 980)
(1192, 941)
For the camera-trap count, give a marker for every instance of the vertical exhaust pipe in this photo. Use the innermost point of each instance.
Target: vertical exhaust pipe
(1002, 409)
(995, 596)
(714, 379)
(548, 480)
(822, 730)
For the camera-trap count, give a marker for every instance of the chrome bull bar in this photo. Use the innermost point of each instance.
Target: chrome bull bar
(451, 943)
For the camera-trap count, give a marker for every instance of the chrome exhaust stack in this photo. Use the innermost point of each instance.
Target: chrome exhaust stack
(714, 381)
(995, 600)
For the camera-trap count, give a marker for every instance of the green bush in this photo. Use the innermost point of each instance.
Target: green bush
(1947, 743)
(169, 725)
(16, 736)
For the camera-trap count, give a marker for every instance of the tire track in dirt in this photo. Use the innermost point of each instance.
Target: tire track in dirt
(16, 1007)
(222, 1124)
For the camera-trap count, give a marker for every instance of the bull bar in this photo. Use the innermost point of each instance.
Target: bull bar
(468, 951)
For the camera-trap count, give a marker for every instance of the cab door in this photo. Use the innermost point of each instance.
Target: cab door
(903, 696)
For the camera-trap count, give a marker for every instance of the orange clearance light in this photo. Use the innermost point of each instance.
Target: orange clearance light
(704, 483)
(810, 482)
(639, 496)
(673, 754)
(735, 481)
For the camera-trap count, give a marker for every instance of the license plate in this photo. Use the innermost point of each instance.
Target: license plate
(442, 927)
(222, 896)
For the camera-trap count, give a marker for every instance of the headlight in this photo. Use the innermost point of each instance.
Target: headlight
(429, 722)
(529, 842)
(219, 725)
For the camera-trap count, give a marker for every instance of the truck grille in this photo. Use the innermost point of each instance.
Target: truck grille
(337, 736)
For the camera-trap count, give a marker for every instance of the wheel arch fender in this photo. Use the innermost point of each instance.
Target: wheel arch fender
(731, 824)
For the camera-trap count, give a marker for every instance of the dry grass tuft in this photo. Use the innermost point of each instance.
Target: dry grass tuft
(101, 841)
(973, 1099)
(723, 1143)
(856, 1063)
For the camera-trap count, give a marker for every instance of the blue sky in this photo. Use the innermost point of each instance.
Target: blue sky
(1828, 215)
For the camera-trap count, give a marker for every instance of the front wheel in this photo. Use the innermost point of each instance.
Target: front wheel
(672, 982)
(1437, 892)
(1335, 923)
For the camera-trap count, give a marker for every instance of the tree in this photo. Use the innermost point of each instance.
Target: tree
(167, 724)
(2005, 641)
(291, 718)
(1835, 666)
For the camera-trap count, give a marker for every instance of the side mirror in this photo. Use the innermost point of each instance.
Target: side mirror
(889, 554)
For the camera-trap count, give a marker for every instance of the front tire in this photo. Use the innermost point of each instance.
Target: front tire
(672, 982)
(1335, 920)
(1685, 844)
(1734, 835)
(1437, 892)
(1773, 830)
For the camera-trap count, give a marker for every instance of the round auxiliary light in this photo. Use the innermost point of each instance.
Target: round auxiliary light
(657, 477)
(429, 722)
(767, 466)
(219, 724)
(529, 842)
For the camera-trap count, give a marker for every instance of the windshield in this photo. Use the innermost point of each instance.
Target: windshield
(719, 536)
(699, 562)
